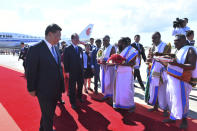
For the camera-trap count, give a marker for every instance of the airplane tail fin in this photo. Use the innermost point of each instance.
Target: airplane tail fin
(85, 34)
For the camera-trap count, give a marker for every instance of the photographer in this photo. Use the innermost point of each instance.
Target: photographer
(186, 28)
(180, 27)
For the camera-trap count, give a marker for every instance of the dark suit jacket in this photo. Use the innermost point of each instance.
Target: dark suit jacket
(190, 43)
(43, 74)
(23, 53)
(92, 47)
(140, 50)
(73, 62)
(94, 60)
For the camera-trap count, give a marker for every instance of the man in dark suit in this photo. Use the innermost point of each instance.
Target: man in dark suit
(23, 54)
(95, 66)
(139, 47)
(92, 46)
(73, 65)
(44, 75)
(190, 38)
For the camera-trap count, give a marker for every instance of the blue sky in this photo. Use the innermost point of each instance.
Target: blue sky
(116, 18)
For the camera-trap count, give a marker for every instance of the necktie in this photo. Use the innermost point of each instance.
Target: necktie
(76, 49)
(54, 54)
(138, 46)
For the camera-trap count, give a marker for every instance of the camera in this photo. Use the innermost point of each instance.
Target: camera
(178, 23)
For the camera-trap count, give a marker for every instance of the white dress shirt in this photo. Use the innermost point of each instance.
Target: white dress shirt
(50, 47)
(74, 45)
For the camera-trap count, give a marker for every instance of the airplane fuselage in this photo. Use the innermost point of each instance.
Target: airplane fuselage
(8, 40)
(13, 40)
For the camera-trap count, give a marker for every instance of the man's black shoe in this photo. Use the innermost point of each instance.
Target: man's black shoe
(62, 102)
(90, 89)
(96, 92)
(183, 124)
(104, 98)
(86, 91)
(131, 110)
(169, 121)
(165, 113)
(152, 109)
(74, 106)
(81, 100)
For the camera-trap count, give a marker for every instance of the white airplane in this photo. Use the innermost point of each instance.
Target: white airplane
(13, 40)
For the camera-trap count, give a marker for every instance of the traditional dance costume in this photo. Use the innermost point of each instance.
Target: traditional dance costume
(124, 83)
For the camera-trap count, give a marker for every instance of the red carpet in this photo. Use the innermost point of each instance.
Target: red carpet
(93, 115)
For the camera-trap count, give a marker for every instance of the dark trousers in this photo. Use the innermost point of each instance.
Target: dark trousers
(24, 65)
(137, 74)
(72, 89)
(60, 98)
(96, 78)
(48, 110)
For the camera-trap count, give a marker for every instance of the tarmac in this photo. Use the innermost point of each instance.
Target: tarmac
(12, 62)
